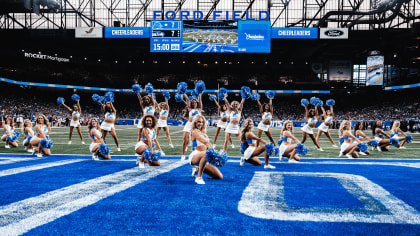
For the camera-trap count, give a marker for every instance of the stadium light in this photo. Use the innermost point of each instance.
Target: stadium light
(85, 58)
(99, 60)
(129, 62)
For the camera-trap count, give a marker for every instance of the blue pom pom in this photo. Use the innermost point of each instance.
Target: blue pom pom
(75, 97)
(50, 144)
(149, 88)
(60, 100)
(212, 97)
(279, 142)
(245, 92)
(217, 159)
(200, 87)
(319, 102)
(314, 101)
(222, 94)
(255, 96)
(178, 97)
(109, 97)
(408, 138)
(341, 140)
(373, 143)
(104, 149)
(301, 149)
(155, 156)
(166, 95)
(16, 134)
(304, 102)
(147, 154)
(43, 144)
(363, 147)
(270, 94)
(244, 146)
(394, 141)
(271, 149)
(136, 88)
(330, 102)
(96, 98)
(181, 87)
(194, 95)
(29, 139)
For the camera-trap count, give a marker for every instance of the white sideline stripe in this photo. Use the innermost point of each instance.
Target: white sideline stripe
(17, 159)
(403, 164)
(37, 167)
(20, 217)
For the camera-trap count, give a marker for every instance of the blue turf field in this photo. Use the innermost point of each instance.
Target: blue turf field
(209, 47)
(70, 195)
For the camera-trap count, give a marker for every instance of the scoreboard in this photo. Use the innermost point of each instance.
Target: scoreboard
(166, 36)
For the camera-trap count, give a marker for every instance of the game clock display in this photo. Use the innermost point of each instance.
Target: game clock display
(166, 36)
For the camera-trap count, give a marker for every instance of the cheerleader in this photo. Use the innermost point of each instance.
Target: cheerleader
(378, 134)
(163, 121)
(287, 149)
(8, 127)
(266, 111)
(147, 142)
(358, 132)
(324, 127)
(194, 108)
(97, 141)
(29, 133)
(311, 115)
(222, 123)
(251, 153)
(42, 129)
(200, 145)
(348, 147)
(107, 125)
(397, 133)
(76, 112)
(147, 104)
(235, 110)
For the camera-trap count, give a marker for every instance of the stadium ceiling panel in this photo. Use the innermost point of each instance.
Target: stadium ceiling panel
(354, 14)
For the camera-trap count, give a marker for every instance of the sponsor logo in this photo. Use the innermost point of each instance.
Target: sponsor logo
(45, 57)
(254, 37)
(334, 33)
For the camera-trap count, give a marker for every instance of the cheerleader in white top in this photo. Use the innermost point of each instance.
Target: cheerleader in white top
(252, 151)
(223, 121)
(311, 116)
(379, 134)
(29, 133)
(9, 136)
(397, 133)
(162, 123)
(348, 141)
(76, 112)
(97, 147)
(328, 119)
(358, 133)
(201, 143)
(144, 148)
(107, 125)
(194, 108)
(266, 111)
(287, 149)
(235, 110)
(40, 141)
(147, 104)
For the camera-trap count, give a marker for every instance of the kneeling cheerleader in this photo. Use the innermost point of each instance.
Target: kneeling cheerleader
(250, 150)
(397, 133)
(10, 136)
(362, 137)
(287, 149)
(29, 133)
(41, 142)
(379, 135)
(98, 148)
(144, 148)
(348, 147)
(204, 159)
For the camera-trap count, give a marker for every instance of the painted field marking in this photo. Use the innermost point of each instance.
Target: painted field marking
(20, 217)
(403, 164)
(38, 167)
(264, 198)
(14, 160)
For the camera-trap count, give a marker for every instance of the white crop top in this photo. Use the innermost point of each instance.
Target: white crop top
(164, 113)
(328, 119)
(97, 132)
(152, 134)
(312, 120)
(193, 113)
(267, 115)
(224, 114)
(149, 110)
(109, 115)
(235, 115)
(76, 114)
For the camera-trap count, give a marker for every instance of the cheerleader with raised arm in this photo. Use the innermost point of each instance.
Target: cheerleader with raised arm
(40, 142)
(162, 123)
(9, 136)
(379, 135)
(358, 132)
(252, 151)
(287, 149)
(223, 121)
(144, 148)
(201, 144)
(97, 147)
(76, 112)
(29, 133)
(235, 110)
(348, 147)
(266, 111)
(110, 114)
(311, 116)
(328, 119)
(194, 108)
(397, 133)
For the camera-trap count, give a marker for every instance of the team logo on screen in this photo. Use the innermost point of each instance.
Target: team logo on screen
(254, 37)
